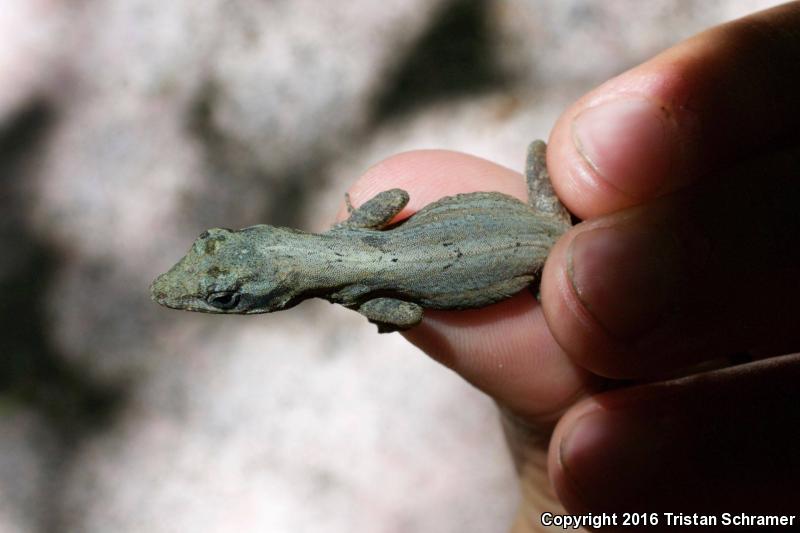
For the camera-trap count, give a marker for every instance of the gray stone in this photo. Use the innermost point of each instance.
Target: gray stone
(155, 120)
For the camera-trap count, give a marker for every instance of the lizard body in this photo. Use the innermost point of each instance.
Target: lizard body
(462, 251)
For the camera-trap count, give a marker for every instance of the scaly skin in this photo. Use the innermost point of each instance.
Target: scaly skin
(463, 251)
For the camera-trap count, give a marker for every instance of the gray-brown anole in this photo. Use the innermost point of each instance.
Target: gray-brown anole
(462, 251)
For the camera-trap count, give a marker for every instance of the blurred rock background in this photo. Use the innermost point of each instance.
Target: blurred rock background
(129, 126)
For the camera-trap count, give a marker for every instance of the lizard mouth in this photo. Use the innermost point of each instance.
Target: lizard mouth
(161, 293)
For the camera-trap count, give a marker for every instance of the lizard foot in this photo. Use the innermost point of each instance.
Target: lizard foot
(390, 314)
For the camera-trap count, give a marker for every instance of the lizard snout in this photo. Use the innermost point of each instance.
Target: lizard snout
(158, 290)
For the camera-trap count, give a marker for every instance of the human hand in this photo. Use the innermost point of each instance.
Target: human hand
(685, 172)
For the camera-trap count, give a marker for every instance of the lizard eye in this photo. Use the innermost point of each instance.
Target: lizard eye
(223, 300)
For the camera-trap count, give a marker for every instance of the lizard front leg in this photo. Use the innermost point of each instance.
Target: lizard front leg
(391, 314)
(377, 212)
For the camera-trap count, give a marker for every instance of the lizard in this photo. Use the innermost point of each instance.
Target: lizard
(463, 251)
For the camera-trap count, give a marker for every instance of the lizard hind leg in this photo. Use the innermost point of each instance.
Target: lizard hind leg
(377, 212)
(391, 314)
(541, 195)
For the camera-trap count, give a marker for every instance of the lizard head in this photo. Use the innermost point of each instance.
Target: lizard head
(226, 271)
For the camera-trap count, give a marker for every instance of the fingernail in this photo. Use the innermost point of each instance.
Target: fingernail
(611, 450)
(628, 143)
(625, 276)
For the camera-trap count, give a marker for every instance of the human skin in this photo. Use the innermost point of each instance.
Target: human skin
(620, 390)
